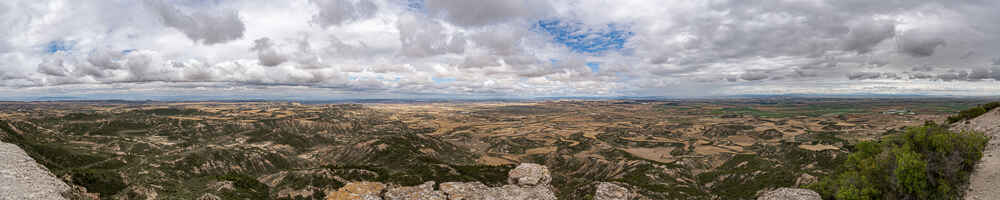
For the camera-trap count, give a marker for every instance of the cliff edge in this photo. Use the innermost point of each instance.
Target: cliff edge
(23, 178)
(982, 182)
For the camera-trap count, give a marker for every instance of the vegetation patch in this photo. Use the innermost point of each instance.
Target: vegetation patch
(925, 162)
(973, 112)
(245, 187)
(105, 182)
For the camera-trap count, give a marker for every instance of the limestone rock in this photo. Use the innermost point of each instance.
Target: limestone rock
(513, 192)
(529, 174)
(806, 179)
(209, 196)
(610, 191)
(358, 191)
(420, 192)
(790, 194)
(464, 190)
(528, 182)
(22, 178)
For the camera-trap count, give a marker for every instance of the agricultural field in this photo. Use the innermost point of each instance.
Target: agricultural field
(662, 149)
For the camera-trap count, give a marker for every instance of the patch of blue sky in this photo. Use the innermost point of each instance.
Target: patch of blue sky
(442, 79)
(584, 39)
(385, 79)
(56, 46)
(594, 66)
(415, 4)
(127, 51)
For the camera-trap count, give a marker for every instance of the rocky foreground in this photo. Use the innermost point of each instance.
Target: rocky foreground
(982, 183)
(22, 178)
(526, 182)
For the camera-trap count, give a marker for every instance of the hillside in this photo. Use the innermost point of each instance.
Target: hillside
(982, 185)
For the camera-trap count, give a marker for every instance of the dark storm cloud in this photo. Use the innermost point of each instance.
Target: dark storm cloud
(866, 34)
(979, 74)
(922, 68)
(753, 76)
(205, 27)
(951, 76)
(870, 75)
(995, 73)
(479, 13)
(920, 44)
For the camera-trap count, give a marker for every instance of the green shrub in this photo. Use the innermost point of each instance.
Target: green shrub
(973, 112)
(245, 187)
(925, 162)
(105, 182)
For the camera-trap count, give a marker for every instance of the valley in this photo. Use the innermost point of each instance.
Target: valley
(661, 149)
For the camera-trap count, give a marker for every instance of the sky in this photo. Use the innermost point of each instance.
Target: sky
(343, 49)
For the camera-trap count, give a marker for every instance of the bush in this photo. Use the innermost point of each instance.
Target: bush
(246, 187)
(973, 112)
(925, 162)
(105, 182)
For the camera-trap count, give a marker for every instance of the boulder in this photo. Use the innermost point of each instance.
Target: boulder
(358, 191)
(513, 192)
(610, 191)
(420, 192)
(527, 182)
(209, 196)
(529, 174)
(464, 190)
(790, 194)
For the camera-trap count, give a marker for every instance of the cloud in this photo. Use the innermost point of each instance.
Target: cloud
(920, 44)
(502, 48)
(53, 67)
(480, 13)
(480, 61)
(266, 53)
(870, 75)
(207, 28)
(753, 76)
(995, 73)
(951, 76)
(338, 12)
(979, 74)
(922, 68)
(421, 37)
(868, 33)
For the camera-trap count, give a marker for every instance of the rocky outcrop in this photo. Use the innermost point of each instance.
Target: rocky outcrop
(358, 191)
(529, 174)
(209, 196)
(420, 192)
(526, 182)
(790, 194)
(982, 182)
(22, 178)
(610, 191)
